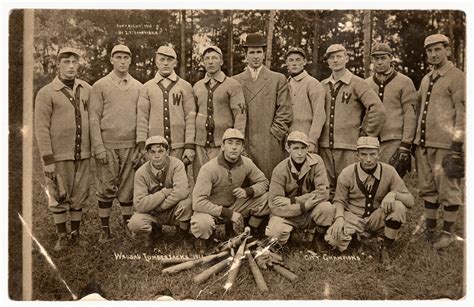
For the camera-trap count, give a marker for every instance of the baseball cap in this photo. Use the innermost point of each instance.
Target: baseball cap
(296, 50)
(232, 134)
(154, 140)
(334, 48)
(436, 38)
(381, 48)
(166, 50)
(213, 48)
(68, 50)
(298, 136)
(120, 48)
(368, 142)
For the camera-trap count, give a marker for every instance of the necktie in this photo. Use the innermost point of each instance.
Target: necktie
(369, 183)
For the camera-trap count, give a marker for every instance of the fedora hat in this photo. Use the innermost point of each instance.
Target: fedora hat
(255, 40)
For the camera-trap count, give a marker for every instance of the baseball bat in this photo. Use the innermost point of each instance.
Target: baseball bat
(190, 264)
(204, 275)
(284, 272)
(235, 267)
(257, 274)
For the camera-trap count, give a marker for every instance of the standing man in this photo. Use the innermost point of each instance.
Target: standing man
(160, 194)
(220, 105)
(229, 188)
(307, 98)
(348, 101)
(298, 194)
(398, 95)
(62, 134)
(113, 118)
(269, 112)
(440, 137)
(370, 198)
(166, 107)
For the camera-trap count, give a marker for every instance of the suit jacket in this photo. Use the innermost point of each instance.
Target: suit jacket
(269, 115)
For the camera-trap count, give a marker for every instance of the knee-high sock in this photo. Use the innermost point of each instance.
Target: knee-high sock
(431, 213)
(450, 214)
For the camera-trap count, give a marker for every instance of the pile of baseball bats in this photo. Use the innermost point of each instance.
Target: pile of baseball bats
(231, 255)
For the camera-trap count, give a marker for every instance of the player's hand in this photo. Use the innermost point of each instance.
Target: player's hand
(237, 218)
(337, 229)
(101, 157)
(188, 154)
(312, 148)
(50, 171)
(239, 193)
(388, 203)
(281, 201)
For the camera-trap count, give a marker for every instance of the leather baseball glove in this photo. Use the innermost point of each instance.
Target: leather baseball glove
(453, 165)
(401, 161)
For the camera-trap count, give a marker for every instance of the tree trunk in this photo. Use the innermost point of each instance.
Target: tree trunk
(316, 34)
(271, 24)
(367, 41)
(182, 66)
(230, 43)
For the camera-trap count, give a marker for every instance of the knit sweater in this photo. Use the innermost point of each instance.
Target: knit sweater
(62, 130)
(398, 95)
(355, 109)
(148, 195)
(113, 113)
(310, 183)
(169, 112)
(212, 193)
(307, 98)
(218, 108)
(444, 120)
(353, 198)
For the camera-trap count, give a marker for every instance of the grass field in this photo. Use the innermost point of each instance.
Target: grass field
(420, 272)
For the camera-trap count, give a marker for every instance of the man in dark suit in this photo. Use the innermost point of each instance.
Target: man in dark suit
(269, 111)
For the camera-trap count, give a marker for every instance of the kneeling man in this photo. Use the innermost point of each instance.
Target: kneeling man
(299, 192)
(370, 198)
(161, 195)
(228, 188)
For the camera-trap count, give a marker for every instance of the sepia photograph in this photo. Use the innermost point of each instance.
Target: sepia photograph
(160, 154)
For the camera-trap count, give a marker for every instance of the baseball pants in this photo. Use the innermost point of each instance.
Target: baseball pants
(335, 161)
(281, 227)
(375, 223)
(203, 224)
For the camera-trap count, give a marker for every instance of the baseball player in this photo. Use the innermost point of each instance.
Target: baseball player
(220, 105)
(440, 137)
(62, 134)
(161, 194)
(113, 117)
(269, 111)
(166, 107)
(348, 98)
(298, 193)
(398, 95)
(307, 98)
(370, 198)
(228, 189)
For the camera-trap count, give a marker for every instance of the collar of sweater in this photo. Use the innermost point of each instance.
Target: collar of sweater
(220, 76)
(299, 76)
(346, 78)
(173, 77)
(307, 164)
(443, 70)
(363, 175)
(228, 165)
(156, 171)
(58, 84)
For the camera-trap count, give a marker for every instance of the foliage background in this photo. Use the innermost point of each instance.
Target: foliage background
(95, 32)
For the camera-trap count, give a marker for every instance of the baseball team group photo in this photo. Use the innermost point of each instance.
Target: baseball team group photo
(246, 155)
